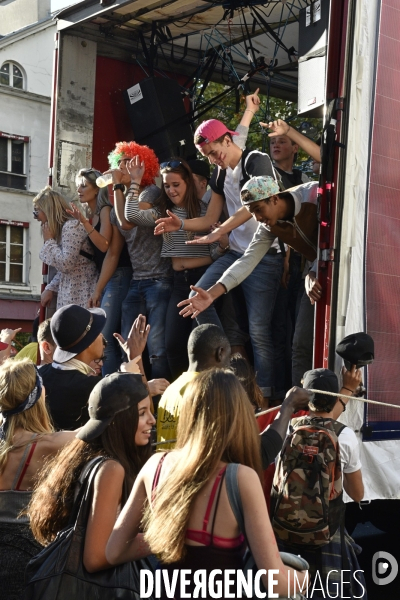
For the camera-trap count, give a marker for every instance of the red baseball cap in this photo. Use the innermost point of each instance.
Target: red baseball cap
(211, 130)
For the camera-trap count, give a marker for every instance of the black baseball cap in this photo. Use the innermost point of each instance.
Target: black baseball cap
(74, 328)
(321, 379)
(356, 349)
(113, 394)
(199, 167)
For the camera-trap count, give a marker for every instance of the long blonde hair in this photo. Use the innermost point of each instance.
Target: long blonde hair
(216, 423)
(55, 208)
(17, 380)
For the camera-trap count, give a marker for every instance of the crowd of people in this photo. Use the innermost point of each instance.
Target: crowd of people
(183, 312)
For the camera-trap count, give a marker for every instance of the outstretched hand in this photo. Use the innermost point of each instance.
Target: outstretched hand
(136, 341)
(278, 127)
(167, 224)
(195, 305)
(210, 238)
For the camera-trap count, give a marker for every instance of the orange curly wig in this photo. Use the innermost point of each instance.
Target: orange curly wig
(146, 154)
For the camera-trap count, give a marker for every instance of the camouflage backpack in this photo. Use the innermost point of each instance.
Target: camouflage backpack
(307, 491)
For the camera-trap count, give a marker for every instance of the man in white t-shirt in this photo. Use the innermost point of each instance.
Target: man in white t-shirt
(323, 407)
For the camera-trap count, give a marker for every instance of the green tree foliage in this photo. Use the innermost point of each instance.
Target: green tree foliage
(271, 109)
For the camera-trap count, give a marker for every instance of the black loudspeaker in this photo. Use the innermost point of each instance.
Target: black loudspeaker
(313, 41)
(158, 118)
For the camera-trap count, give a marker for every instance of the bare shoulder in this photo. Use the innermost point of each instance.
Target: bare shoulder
(110, 473)
(249, 483)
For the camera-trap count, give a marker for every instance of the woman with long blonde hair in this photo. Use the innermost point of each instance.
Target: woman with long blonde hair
(27, 439)
(189, 522)
(66, 247)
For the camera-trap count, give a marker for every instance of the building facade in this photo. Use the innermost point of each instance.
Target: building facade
(26, 76)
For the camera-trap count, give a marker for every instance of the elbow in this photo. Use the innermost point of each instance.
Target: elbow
(357, 495)
(93, 564)
(126, 226)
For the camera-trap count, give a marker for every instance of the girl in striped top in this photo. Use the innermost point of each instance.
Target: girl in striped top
(189, 263)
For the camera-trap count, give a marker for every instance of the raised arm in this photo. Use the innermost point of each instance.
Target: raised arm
(280, 127)
(109, 266)
(236, 220)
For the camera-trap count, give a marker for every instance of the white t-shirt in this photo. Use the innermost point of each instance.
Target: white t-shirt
(349, 451)
(240, 238)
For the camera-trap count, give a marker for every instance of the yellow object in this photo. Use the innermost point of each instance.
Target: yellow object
(169, 409)
(28, 351)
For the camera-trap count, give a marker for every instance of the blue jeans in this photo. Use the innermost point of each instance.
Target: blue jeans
(111, 302)
(260, 289)
(150, 297)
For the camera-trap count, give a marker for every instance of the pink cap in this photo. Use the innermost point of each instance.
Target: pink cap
(211, 130)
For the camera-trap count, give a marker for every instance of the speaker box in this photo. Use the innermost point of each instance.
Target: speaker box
(158, 118)
(313, 40)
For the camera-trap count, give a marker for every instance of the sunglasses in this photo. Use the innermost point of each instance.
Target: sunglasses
(172, 164)
(99, 361)
(35, 213)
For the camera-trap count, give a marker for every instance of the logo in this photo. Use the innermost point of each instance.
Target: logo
(135, 93)
(384, 568)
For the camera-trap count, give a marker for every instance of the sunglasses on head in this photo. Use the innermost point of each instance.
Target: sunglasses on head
(172, 164)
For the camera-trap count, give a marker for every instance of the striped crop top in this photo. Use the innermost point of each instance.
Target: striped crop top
(173, 243)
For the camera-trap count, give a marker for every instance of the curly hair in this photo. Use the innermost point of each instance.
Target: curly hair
(146, 154)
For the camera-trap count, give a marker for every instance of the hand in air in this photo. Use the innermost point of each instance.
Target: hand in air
(253, 101)
(278, 127)
(195, 305)
(7, 335)
(167, 224)
(137, 338)
(76, 213)
(298, 398)
(136, 168)
(352, 379)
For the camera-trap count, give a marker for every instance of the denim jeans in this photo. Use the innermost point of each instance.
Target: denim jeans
(303, 341)
(283, 325)
(150, 297)
(111, 302)
(260, 289)
(178, 329)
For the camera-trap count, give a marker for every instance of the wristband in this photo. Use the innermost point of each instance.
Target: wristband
(345, 388)
(118, 186)
(91, 231)
(249, 110)
(342, 403)
(222, 248)
(182, 225)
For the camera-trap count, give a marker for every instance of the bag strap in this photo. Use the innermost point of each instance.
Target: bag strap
(232, 489)
(82, 503)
